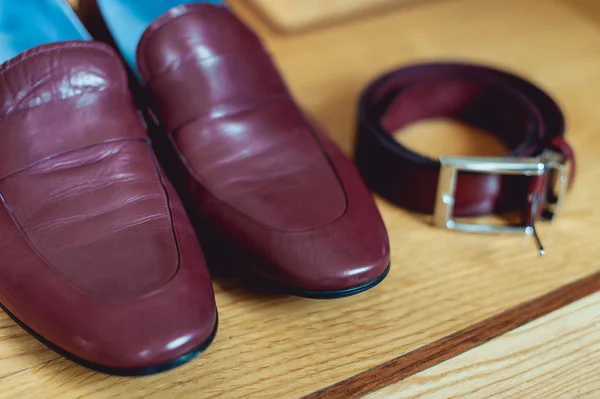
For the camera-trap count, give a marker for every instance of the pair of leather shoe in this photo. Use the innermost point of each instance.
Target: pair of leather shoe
(99, 258)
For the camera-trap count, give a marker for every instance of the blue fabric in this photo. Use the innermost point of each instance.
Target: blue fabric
(129, 19)
(25, 24)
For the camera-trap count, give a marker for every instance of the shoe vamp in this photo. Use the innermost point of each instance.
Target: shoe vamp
(266, 163)
(100, 217)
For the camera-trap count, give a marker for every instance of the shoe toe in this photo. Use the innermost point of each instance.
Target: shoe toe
(337, 267)
(150, 339)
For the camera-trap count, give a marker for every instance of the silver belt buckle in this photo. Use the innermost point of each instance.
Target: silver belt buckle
(550, 163)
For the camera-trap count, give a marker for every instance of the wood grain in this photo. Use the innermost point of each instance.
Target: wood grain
(556, 356)
(295, 15)
(393, 371)
(441, 282)
(587, 8)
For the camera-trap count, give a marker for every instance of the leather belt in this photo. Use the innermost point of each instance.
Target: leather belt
(531, 178)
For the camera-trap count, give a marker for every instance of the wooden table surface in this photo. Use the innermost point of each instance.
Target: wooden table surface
(555, 356)
(289, 16)
(447, 293)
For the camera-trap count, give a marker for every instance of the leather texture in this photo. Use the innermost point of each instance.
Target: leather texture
(98, 256)
(257, 170)
(520, 114)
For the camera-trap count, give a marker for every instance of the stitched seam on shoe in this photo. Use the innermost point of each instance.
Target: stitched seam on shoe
(49, 264)
(168, 204)
(170, 68)
(242, 110)
(323, 151)
(248, 217)
(71, 152)
(37, 252)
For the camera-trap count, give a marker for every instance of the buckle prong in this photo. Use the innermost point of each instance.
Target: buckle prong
(549, 163)
(535, 202)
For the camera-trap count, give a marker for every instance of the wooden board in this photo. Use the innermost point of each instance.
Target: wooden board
(294, 15)
(393, 372)
(441, 282)
(556, 356)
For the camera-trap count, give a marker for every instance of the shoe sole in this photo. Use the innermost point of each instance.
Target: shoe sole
(221, 253)
(124, 372)
(333, 294)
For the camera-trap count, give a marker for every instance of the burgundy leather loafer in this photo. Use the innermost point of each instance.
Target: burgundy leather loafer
(258, 172)
(99, 260)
